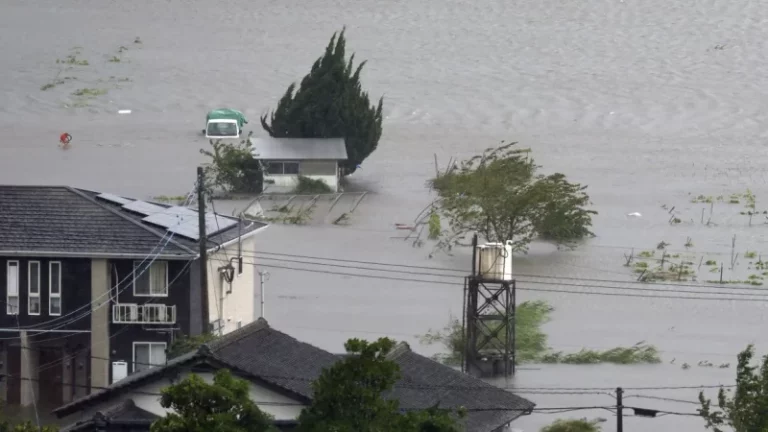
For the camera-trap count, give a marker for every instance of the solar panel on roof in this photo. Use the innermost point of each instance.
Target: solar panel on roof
(143, 207)
(113, 198)
(190, 227)
(171, 216)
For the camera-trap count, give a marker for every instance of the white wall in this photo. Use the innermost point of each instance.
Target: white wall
(146, 399)
(238, 305)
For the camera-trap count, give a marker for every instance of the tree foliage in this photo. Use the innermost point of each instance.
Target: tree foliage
(185, 344)
(232, 167)
(223, 406)
(581, 425)
(330, 103)
(26, 426)
(746, 409)
(499, 195)
(348, 396)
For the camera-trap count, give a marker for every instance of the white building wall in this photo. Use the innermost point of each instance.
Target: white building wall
(236, 306)
(146, 398)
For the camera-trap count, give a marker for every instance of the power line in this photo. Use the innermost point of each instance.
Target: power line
(257, 255)
(89, 306)
(533, 282)
(457, 284)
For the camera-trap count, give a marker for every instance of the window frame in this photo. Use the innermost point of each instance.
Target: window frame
(30, 294)
(282, 167)
(149, 344)
(8, 296)
(137, 265)
(51, 294)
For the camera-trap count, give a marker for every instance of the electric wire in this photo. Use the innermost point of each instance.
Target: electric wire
(462, 273)
(459, 284)
(528, 281)
(54, 363)
(93, 302)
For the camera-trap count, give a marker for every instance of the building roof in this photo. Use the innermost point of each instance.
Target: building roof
(262, 353)
(299, 148)
(124, 412)
(66, 221)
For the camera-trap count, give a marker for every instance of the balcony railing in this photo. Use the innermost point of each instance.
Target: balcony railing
(143, 314)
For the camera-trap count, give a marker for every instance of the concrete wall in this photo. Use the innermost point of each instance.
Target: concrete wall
(236, 306)
(100, 277)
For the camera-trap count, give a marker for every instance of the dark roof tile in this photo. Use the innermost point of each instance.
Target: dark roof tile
(65, 220)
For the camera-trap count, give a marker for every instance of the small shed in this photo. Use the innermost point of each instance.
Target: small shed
(287, 159)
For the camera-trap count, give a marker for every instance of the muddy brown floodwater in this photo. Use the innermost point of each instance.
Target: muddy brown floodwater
(646, 102)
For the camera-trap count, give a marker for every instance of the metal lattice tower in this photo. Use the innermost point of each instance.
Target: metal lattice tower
(489, 326)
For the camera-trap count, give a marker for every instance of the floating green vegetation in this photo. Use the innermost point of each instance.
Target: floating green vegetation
(711, 263)
(89, 92)
(702, 199)
(72, 59)
(640, 353)
(750, 254)
(532, 342)
(756, 282)
(114, 59)
(434, 225)
(646, 254)
(662, 245)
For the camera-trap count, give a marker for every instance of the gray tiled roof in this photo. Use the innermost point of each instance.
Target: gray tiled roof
(299, 148)
(123, 411)
(282, 361)
(63, 220)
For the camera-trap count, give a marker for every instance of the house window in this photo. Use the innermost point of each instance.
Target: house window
(54, 288)
(12, 293)
(278, 168)
(152, 282)
(147, 355)
(33, 288)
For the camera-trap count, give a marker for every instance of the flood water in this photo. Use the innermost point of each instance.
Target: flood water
(649, 103)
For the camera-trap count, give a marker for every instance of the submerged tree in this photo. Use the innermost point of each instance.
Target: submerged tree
(581, 425)
(330, 103)
(746, 409)
(499, 195)
(232, 167)
(349, 396)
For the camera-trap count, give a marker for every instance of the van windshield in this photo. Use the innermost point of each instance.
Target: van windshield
(222, 129)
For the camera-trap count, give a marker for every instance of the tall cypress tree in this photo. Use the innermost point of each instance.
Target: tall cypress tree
(330, 103)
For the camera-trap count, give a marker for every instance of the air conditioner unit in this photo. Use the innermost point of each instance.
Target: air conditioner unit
(119, 370)
(134, 312)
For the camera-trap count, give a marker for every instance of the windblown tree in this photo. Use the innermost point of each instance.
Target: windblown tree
(330, 103)
(746, 408)
(500, 195)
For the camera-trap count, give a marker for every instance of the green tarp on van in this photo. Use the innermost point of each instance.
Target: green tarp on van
(227, 114)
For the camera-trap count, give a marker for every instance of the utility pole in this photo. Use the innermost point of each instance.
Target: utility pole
(619, 410)
(203, 249)
(263, 277)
